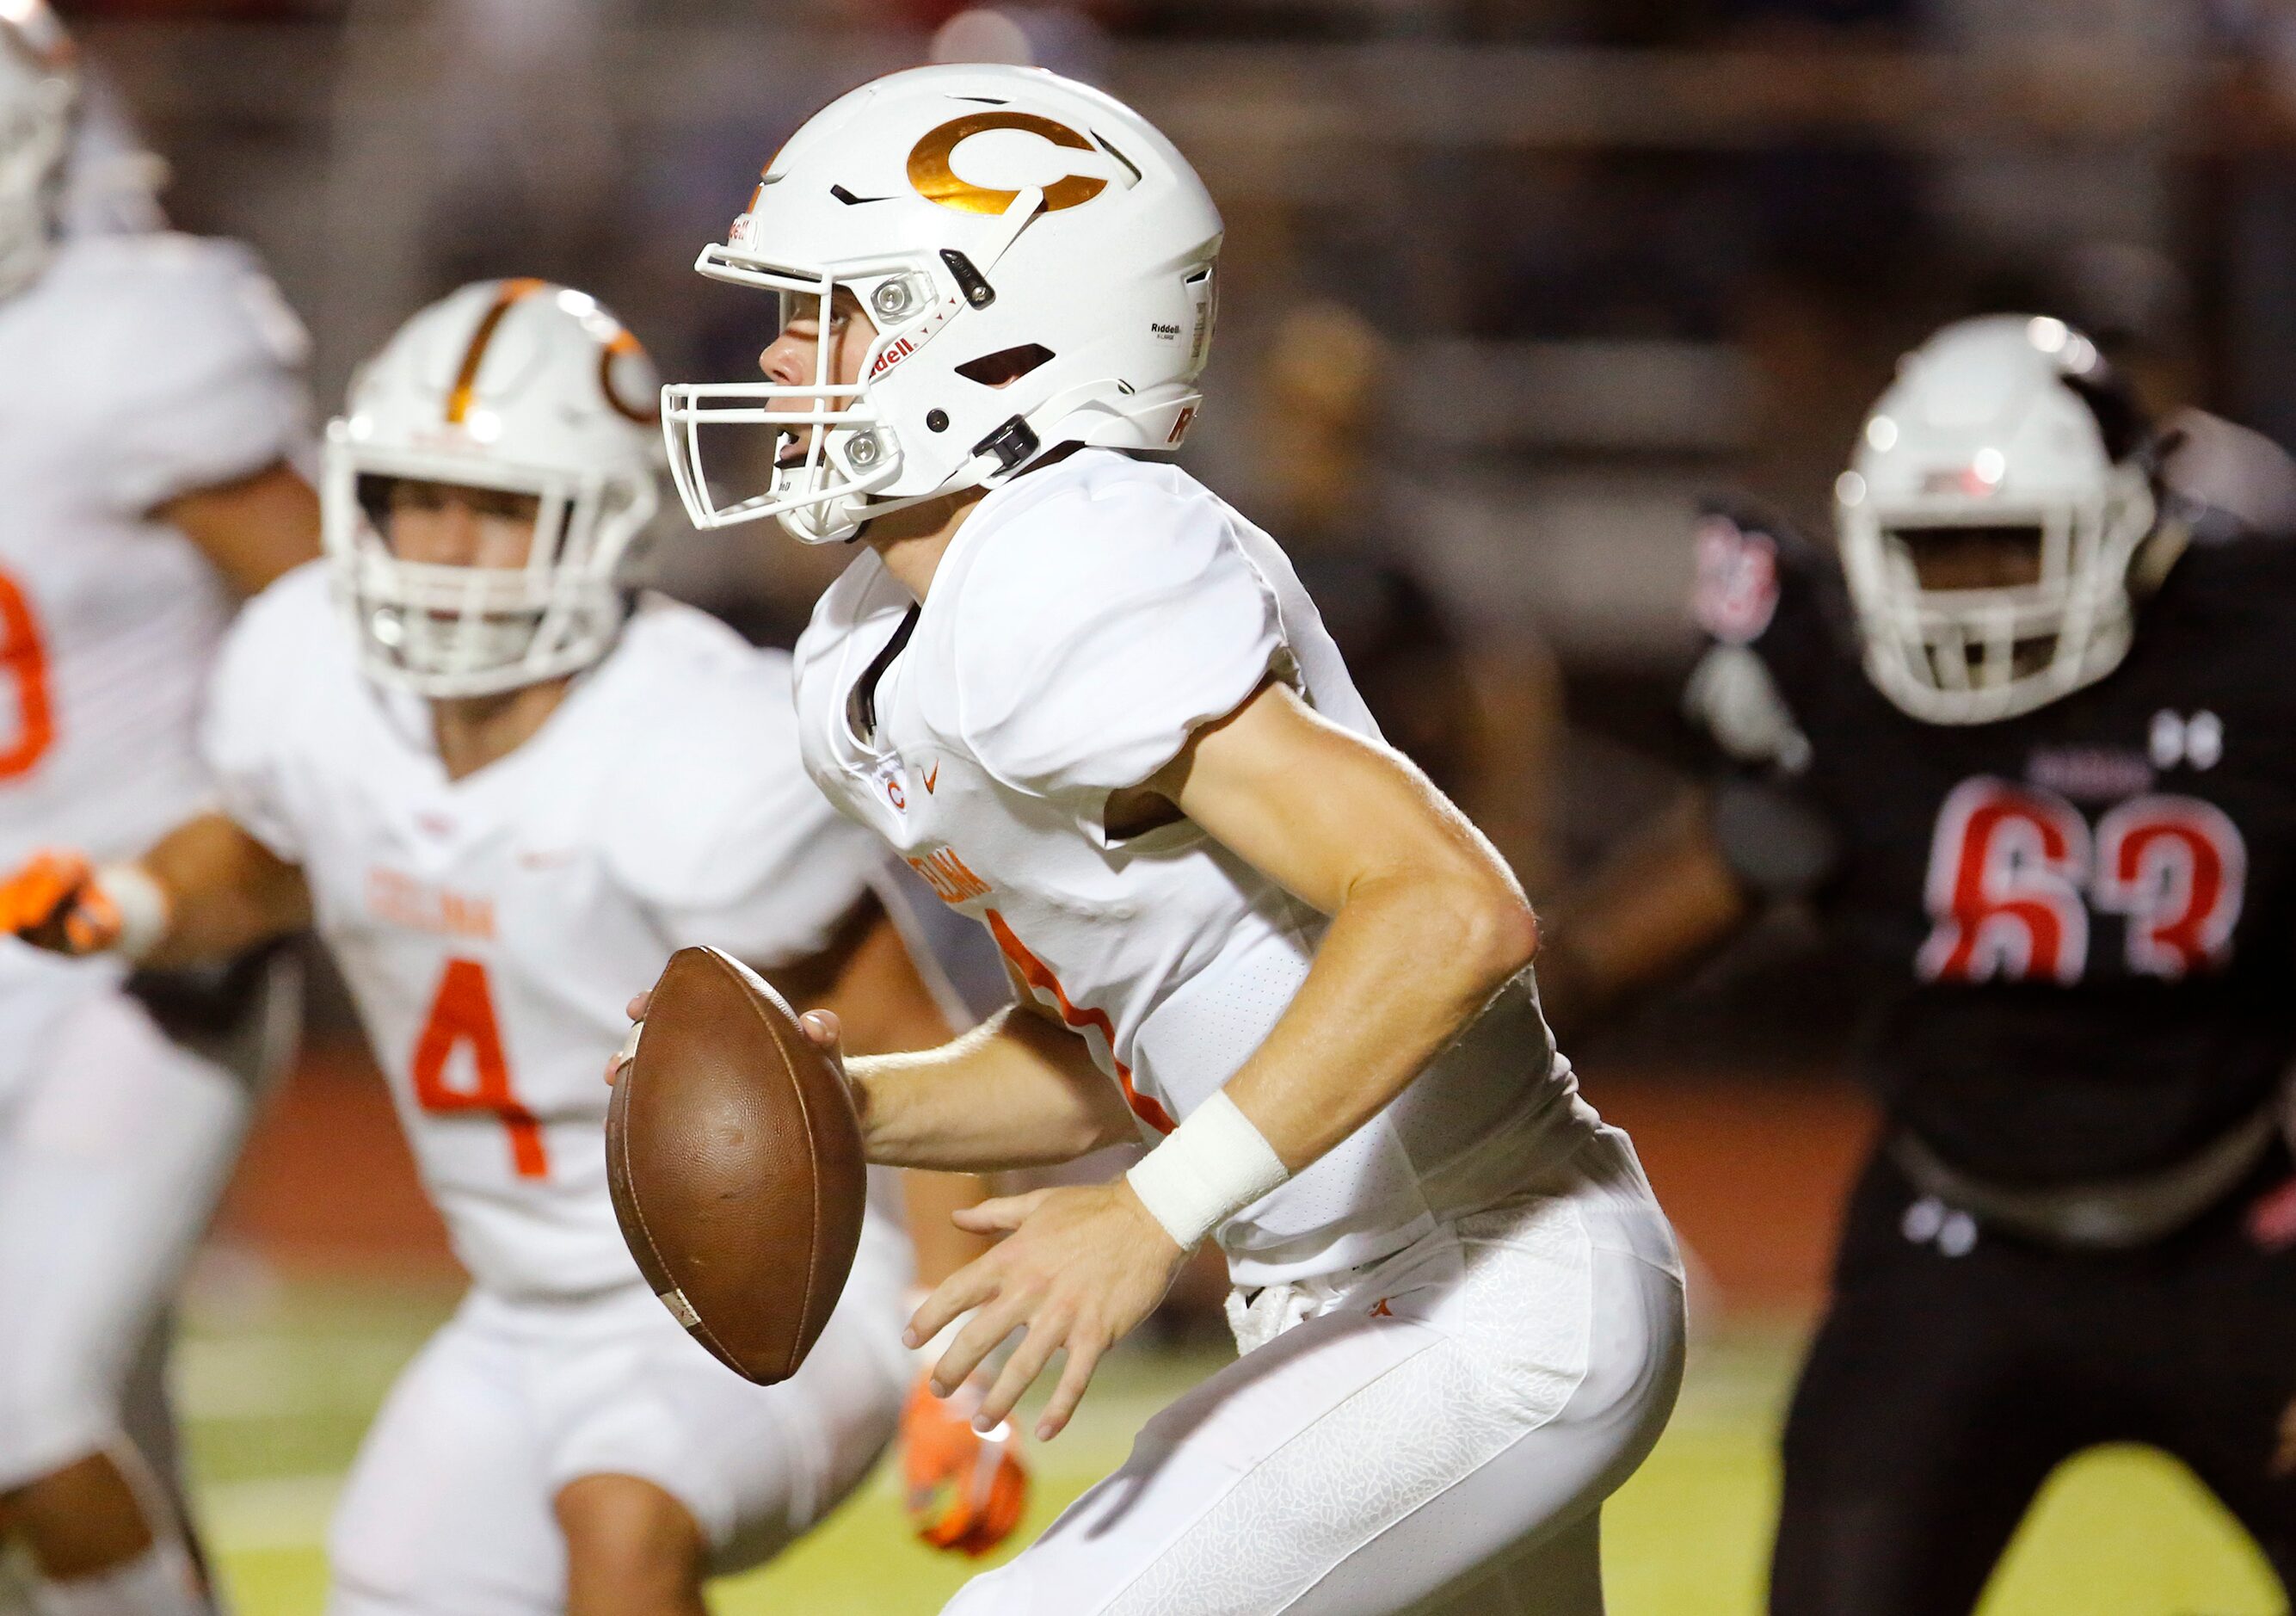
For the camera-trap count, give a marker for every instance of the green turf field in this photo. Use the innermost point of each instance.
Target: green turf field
(276, 1385)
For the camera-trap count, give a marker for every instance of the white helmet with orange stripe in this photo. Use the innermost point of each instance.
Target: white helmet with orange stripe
(518, 388)
(1036, 260)
(38, 88)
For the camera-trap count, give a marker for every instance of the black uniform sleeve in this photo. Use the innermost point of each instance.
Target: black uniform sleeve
(1767, 603)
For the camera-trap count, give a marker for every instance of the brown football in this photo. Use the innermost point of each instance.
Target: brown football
(734, 1157)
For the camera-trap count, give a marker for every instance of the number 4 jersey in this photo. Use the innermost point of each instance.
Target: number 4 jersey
(492, 929)
(2082, 913)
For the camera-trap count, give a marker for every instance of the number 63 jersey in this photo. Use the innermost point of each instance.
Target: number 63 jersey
(492, 929)
(2082, 915)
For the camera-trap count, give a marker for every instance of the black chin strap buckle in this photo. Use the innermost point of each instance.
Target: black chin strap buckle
(1012, 443)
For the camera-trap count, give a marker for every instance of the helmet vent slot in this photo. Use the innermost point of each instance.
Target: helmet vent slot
(1006, 366)
(1115, 151)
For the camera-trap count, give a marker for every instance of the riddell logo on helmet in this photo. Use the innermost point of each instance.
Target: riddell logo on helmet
(900, 349)
(1170, 334)
(932, 165)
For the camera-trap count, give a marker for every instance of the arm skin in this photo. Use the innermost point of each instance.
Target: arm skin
(253, 530)
(1016, 1091)
(1426, 925)
(1658, 905)
(227, 892)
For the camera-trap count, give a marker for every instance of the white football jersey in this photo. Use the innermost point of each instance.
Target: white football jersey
(134, 369)
(492, 929)
(1084, 620)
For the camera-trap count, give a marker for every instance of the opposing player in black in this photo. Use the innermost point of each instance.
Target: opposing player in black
(2030, 747)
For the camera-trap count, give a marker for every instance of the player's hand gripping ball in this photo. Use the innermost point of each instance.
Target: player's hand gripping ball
(965, 1489)
(52, 901)
(733, 1158)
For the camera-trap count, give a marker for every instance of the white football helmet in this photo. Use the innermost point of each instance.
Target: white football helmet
(38, 87)
(1038, 261)
(518, 386)
(2008, 427)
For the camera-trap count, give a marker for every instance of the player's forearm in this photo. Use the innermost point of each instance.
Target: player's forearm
(1013, 1092)
(1407, 964)
(1662, 902)
(225, 892)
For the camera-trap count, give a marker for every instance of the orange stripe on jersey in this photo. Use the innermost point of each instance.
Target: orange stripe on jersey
(1040, 976)
(466, 380)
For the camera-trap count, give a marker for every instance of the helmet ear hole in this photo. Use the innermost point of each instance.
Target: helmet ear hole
(1006, 366)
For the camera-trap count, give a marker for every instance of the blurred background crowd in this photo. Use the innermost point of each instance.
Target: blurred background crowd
(1509, 284)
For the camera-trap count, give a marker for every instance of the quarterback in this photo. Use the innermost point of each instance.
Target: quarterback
(2025, 747)
(1090, 703)
(150, 397)
(498, 792)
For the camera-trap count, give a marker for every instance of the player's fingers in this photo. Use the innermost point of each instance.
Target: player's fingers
(623, 1056)
(1075, 1374)
(1000, 1215)
(1047, 1333)
(970, 1286)
(636, 1008)
(980, 1337)
(822, 1029)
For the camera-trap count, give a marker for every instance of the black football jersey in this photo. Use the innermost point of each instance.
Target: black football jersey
(2082, 915)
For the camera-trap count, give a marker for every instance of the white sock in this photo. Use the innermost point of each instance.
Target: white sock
(158, 1582)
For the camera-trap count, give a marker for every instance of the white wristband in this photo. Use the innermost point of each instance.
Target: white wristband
(1210, 1167)
(142, 905)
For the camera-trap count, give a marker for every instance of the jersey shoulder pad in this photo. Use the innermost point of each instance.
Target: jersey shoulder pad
(1774, 613)
(701, 729)
(292, 625)
(193, 364)
(710, 816)
(1098, 624)
(177, 310)
(283, 652)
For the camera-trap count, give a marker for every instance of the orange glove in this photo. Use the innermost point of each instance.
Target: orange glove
(965, 1490)
(52, 901)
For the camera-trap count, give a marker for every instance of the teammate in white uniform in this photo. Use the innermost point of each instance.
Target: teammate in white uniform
(151, 402)
(500, 794)
(1091, 703)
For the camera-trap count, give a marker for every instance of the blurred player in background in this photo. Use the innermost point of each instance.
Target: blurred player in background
(1094, 705)
(2026, 746)
(149, 387)
(500, 793)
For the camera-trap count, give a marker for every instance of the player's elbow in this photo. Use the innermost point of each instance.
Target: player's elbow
(1489, 932)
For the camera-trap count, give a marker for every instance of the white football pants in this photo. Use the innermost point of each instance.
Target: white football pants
(450, 1507)
(1434, 1433)
(114, 1145)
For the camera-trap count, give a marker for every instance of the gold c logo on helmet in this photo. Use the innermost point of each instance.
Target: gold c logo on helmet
(936, 181)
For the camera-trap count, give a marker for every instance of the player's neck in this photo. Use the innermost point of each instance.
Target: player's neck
(472, 732)
(911, 542)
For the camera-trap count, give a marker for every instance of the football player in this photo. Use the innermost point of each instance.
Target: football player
(150, 391)
(498, 792)
(2025, 745)
(1092, 704)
